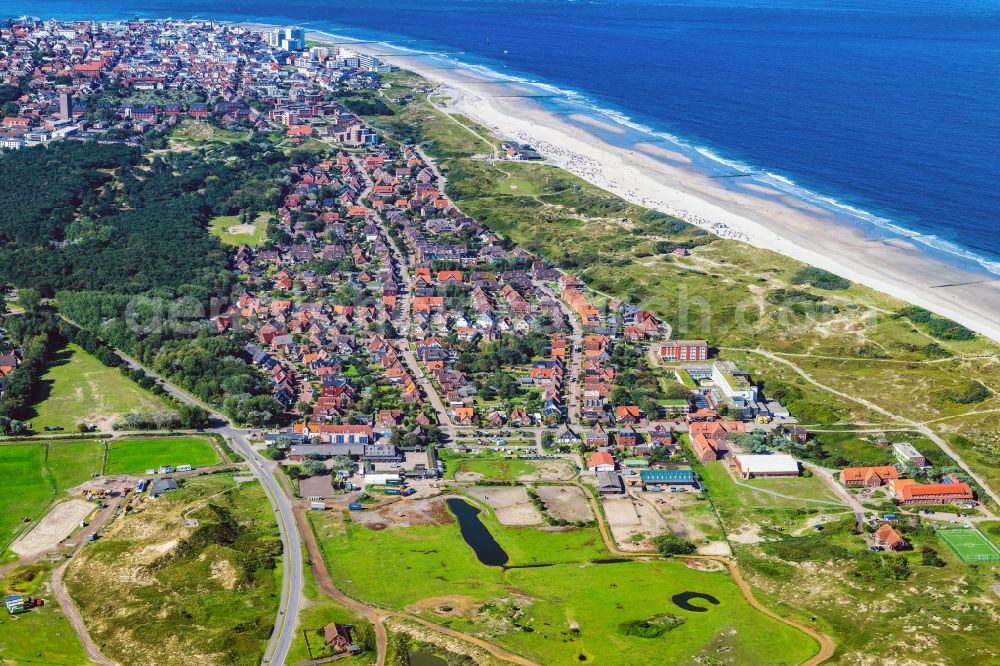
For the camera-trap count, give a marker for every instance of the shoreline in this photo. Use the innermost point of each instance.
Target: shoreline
(750, 212)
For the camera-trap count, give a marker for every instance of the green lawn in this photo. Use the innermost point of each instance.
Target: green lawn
(77, 388)
(220, 227)
(72, 463)
(489, 467)
(152, 589)
(135, 456)
(739, 506)
(43, 635)
(597, 598)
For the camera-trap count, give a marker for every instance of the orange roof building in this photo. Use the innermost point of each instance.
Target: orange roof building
(869, 477)
(911, 493)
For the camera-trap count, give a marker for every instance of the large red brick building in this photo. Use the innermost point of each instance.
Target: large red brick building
(684, 350)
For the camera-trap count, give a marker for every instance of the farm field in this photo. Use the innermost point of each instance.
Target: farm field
(152, 589)
(229, 230)
(77, 388)
(532, 609)
(135, 456)
(43, 635)
(72, 462)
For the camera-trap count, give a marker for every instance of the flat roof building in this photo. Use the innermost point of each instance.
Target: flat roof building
(776, 464)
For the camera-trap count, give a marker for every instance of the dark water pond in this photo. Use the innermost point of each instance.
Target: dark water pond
(683, 600)
(418, 658)
(486, 548)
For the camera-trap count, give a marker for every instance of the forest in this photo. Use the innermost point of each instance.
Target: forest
(99, 217)
(119, 237)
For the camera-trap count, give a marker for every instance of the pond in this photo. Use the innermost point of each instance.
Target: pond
(683, 600)
(486, 548)
(418, 658)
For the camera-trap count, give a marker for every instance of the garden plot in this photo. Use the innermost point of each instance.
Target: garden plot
(512, 506)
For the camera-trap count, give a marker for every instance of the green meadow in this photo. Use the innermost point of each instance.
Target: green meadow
(33, 474)
(77, 388)
(43, 635)
(552, 604)
(135, 456)
(229, 231)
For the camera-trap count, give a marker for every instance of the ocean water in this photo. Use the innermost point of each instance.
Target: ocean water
(888, 112)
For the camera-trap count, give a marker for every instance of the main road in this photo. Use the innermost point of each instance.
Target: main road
(291, 543)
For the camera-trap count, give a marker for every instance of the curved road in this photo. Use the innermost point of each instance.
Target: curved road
(264, 471)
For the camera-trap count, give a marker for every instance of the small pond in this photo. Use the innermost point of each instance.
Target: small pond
(683, 600)
(418, 658)
(486, 548)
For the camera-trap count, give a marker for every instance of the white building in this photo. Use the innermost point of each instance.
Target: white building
(287, 39)
(776, 464)
(734, 384)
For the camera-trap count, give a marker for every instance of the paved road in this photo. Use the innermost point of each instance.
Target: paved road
(264, 471)
(291, 582)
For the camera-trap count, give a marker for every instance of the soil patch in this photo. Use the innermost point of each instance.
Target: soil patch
(511, 505)
(57, 525)
(565, 503)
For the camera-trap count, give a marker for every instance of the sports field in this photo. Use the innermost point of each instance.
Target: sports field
(135, 456)
(970, 545)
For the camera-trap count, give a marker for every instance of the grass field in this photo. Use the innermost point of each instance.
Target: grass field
(77, 388)
(555, 613)
(42, 636)
(135, 456)
(740, 508)
(970, 545)
(190, 133)
(152, 589)
(71, 463)
(489, 467)
(27, 488)
(222, 228)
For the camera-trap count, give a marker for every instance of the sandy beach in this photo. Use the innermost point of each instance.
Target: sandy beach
(775, 221)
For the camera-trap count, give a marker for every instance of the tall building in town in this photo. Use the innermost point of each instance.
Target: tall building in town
(65, 106)
(287, 39)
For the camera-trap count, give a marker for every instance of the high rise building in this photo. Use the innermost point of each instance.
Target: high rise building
(287, 39)
(65, 106)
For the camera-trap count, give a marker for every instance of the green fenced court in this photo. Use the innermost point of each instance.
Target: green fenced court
(970, 545)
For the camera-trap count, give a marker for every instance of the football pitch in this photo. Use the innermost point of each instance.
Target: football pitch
(970, 545)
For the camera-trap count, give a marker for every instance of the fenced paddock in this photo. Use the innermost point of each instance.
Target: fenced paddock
(970, 544)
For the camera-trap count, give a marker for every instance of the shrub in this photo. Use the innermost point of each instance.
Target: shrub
(817, 277)
(652, 627)
(671, 544)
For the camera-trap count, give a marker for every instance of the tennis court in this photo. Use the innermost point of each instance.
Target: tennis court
(970, 545)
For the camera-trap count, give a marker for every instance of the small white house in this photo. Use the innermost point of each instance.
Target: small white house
(776, 464)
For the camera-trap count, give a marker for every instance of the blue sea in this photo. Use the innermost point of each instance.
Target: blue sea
(887, 112)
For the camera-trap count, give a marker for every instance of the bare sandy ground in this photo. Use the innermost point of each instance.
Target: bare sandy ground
(565, 503)
(627, 517)
(57, 524)
(241, 229)
(511, 505)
